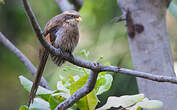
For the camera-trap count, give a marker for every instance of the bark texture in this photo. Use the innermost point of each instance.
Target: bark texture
(150, 47)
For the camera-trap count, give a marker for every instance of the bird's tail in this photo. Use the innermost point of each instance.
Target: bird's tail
(40, 70)
(57, 60)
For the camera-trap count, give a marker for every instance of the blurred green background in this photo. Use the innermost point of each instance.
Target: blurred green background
(97, 35)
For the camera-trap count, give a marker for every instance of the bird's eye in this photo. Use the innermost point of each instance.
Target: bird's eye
(69, 16)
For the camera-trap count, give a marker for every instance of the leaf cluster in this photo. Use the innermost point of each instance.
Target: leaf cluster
(48, 100)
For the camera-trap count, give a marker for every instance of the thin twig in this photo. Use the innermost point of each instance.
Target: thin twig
(118, 19)
(87, 88)
(22, 58)
(86, 64)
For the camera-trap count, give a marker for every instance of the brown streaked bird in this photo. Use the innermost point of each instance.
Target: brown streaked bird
(61, 32)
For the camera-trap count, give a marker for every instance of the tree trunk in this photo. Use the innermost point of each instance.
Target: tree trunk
(150, 47)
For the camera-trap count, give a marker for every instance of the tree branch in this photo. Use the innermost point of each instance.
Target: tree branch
(168, 2)
(22, 58)
(86, 64)
(87, 88)
(77, 4)
(70, 4)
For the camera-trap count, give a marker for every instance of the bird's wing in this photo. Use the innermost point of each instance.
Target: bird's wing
(56, 21)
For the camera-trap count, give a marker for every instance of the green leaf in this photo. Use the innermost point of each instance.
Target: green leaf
(61, 95)
(135, 107)
(104, 83)
(85, 53)
(27, 84)
(57, 98)
(39, 104)
(78, 84)
(107, 63)
(150, 104)
(45, 96)
(61, 87)
(100, 81)
(123, 101)
(88, 102)
(71, 79)
(53, 103)
(175, 1)
(99, 59)
(2, 2)
(132, 102)
(173, 8)
(65, 81)
(23, 107)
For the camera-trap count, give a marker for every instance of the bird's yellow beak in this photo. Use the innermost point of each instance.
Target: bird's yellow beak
(79, 19)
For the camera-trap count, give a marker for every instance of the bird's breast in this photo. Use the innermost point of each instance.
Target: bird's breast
(67, 38)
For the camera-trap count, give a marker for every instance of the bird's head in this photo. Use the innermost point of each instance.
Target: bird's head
(72, 17)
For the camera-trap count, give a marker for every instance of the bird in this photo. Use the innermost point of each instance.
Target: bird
(61, 31)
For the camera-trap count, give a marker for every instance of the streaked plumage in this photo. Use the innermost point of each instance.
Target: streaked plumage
(62, 32)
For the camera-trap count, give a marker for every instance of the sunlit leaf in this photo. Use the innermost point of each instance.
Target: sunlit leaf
(99, 59)
(135, 107)
(108, 63)
(78, 84)
(57, 98)
(65, 81)
(2, 2)
(70, 78)
(23, 107)
(85, 53)
(150, 104)
(88, 102)
(61, 87)
(27, 84)
(123, 101)
(104, 83)
(62, 94)
(45, 96)
(53, 103)
(39, 104)
(76, 77)
(100, 81)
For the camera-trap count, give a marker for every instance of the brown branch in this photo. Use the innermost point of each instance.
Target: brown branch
(77, 4)
(87, 88)
(86, 64)
(70, 4)
(22, 58)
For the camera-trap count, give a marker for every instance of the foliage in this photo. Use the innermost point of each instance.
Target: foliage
(48, 100)
(132, 102)
(67, 86)
(27, 84)
(65, 89)
(2, 2)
